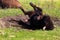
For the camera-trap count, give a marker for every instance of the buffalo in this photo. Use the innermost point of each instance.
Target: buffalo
(10, 4)
(40, 21)
(37, 19)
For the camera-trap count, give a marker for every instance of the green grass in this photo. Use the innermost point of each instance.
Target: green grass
(13, 34)
(49, 7)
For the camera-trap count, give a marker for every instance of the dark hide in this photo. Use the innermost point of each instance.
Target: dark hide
(40, 24)
(29, 13)
(38, 20)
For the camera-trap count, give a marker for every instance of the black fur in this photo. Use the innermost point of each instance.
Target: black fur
(44, 20)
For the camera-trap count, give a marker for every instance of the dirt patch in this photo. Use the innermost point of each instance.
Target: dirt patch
(56, 21)
(10, 21)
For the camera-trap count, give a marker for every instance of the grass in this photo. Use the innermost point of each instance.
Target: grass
(49, 7)
(13, 34)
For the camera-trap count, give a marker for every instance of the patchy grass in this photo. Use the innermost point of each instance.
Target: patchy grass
(51, 8)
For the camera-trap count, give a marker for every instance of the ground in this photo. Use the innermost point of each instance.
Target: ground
(51, 8)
